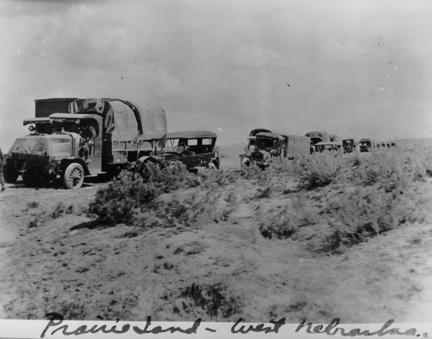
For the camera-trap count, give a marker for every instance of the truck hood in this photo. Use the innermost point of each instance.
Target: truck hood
(42, 144)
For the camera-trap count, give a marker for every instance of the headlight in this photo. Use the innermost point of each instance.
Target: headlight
(52, 168)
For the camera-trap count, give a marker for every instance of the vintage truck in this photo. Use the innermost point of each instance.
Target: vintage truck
(96, 136)
(265, 145)
(349, 145)
(316, 137)
(366, 144)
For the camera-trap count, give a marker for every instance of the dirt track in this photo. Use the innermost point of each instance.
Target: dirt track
(48, 263)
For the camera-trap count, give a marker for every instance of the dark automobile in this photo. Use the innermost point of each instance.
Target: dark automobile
(366, 144)
(349, 145)
(193, 148)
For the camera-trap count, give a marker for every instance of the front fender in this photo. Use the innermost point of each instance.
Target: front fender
(65, 163)
(143, 159)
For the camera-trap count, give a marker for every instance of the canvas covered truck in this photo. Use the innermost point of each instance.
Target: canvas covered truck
(264, 146)
(96, 136)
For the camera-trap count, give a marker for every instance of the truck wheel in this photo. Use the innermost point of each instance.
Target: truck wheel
(73, 176)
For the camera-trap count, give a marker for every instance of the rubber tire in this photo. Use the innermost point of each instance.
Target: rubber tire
(73, 176)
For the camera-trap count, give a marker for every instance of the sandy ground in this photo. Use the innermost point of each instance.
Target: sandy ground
(21, 207)
(53, 260)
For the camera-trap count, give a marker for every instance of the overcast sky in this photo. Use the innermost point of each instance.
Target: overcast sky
(354, 68)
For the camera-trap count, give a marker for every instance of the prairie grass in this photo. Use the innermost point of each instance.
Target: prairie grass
(245, 243)
(356, 196)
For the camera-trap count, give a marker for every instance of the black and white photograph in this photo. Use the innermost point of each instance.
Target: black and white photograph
(228, 161)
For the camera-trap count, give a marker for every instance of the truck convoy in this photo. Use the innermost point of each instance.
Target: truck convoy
(71, 138)
(265, 145)
(90, 137)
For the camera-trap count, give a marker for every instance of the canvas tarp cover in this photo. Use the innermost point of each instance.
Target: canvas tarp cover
(298, 145)
(125, 121)
(154, 122)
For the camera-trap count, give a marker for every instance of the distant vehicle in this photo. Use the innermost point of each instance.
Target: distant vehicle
(264, 146)
(328, 146)
(349, 145)
(97, 136)
(366, 144)
(316, 137)
(193, 148)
